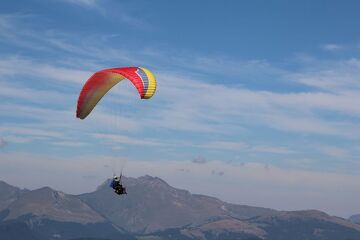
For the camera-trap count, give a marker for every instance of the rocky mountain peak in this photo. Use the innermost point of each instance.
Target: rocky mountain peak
(5, 187)
(151, 204)
(152, 182)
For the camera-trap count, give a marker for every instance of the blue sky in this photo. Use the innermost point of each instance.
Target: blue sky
(252, 95)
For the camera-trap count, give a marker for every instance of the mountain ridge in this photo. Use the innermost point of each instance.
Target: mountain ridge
(54, 205)
(154, 210)
(151, 200)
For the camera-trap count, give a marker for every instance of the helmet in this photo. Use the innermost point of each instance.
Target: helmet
(116, 177)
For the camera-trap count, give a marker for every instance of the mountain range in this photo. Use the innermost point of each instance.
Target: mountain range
(154, 210)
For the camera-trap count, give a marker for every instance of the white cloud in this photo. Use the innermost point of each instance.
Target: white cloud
(58, 42)
(338, 77)
(69, 144)
(22, 37)
(332, 47)
(204, 106)
(30, 132)
(23, 139)
(116, 138)
(311, 125)
(227, 145)
(135, 22)
(85, 3)
(10, 67)
(333, 151)
(271, 149)
(245, 147)
(16, 92)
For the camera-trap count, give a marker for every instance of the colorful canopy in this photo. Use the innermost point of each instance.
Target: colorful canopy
(102, 81)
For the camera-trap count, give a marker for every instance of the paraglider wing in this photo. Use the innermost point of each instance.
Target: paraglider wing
(102, 81)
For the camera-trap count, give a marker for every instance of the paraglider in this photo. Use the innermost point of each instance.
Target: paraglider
(117, 185)
(100, 83)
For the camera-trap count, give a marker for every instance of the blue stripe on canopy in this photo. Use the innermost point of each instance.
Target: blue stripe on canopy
(144, 78)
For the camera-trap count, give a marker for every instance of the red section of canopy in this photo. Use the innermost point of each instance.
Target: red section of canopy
(100, 78)
(130, 73)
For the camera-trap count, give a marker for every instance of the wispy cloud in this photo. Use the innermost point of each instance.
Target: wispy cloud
(227, 145)
(23, 139)
(31, 132)
(56, 41)
(24, 36)
(246, 147)
(69, 144)
(85, 3)
(298, 112)
(135, 22)
(333, 151)
(29, 68)
(271, 149)
(336, 76)
(332, 47)
(128, 140)
(19, 92)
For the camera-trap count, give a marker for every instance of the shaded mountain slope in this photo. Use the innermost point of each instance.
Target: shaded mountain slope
(9, 194)
(50, 214)
(16, 231)
(310, 224)
(299, 225)
(53, 205)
